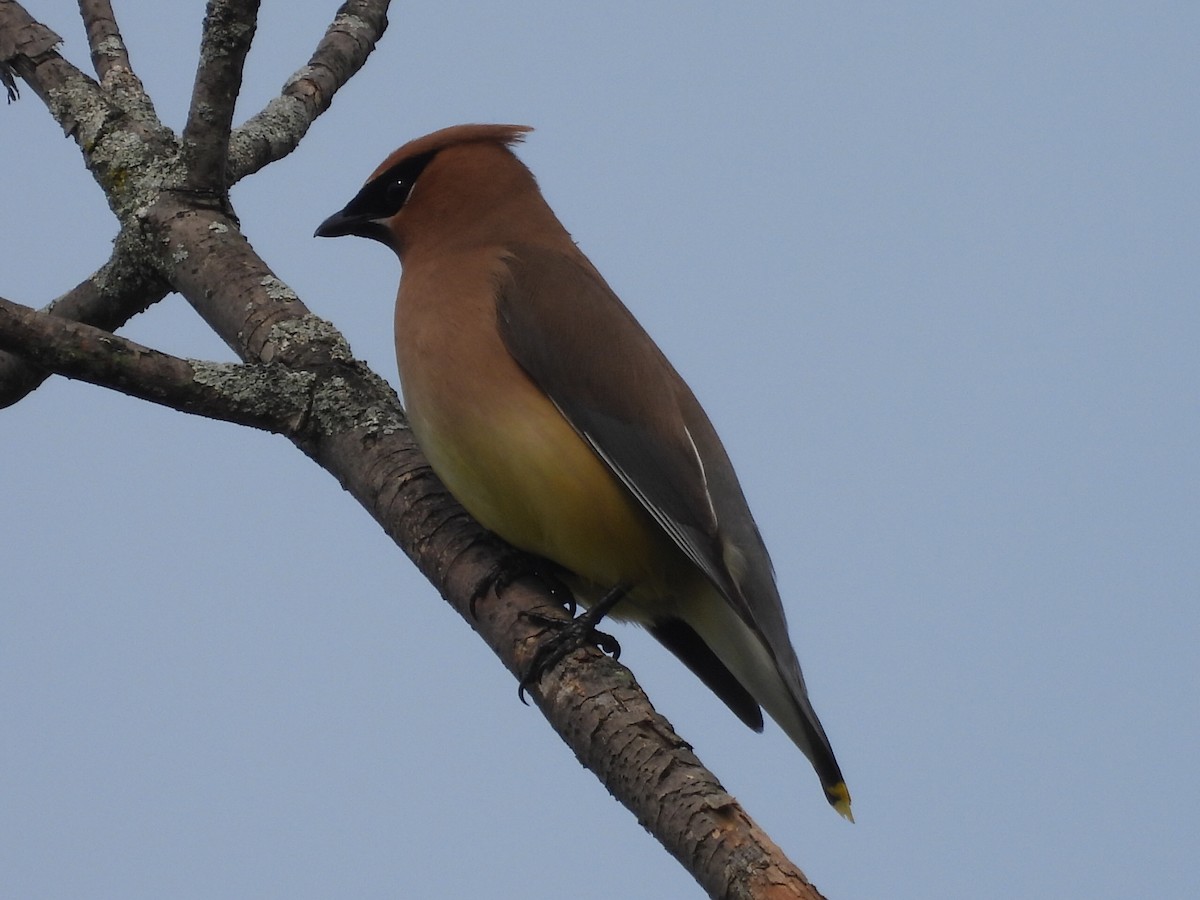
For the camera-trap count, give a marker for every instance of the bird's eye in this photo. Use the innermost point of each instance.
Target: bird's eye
(391, 189)
(396, 194)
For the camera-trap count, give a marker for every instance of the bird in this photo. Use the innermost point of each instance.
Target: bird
(558, 424)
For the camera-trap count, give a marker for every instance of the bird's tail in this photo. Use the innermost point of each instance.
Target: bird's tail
(776, 684)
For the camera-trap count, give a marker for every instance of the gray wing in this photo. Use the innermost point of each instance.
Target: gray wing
(580, 345)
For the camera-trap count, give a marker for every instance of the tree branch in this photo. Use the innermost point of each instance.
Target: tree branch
(126, 286)
(123, 287)
(270, 398)
(108, 49)
(276, 130)
(228, 30)
(23, 43)
(110, 59)
(129, 157)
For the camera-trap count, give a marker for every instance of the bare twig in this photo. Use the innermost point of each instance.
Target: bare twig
(124, 153)
(21, 34)
(275, 131)
(110, 59)
(27, 47)
(104, 37)
(271, 398)
(123, 287)
(130, 155)
(228, 30)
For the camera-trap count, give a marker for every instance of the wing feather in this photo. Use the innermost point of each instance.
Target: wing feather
(578, 342)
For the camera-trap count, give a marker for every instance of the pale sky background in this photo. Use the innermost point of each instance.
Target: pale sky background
(933, 272)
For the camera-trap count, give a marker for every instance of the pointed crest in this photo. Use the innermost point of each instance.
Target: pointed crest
(449, 137)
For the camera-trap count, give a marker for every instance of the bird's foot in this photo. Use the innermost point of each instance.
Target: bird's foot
(515, 566)
(568, 637)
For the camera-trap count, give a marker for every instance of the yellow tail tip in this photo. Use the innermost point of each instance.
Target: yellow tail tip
(839, 799)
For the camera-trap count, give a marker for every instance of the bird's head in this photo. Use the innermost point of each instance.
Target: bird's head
(436, 185)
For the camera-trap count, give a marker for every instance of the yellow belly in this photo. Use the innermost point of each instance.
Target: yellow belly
(525, 474)
(509, 456)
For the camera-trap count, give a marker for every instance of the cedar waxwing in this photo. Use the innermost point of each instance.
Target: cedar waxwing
(558, 424)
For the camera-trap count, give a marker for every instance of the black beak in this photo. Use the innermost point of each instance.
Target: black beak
(341, 223)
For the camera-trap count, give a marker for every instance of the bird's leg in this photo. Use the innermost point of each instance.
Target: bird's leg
(515, 566)
(570, 636)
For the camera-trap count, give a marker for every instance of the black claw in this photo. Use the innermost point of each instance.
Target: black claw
(514, 567)
(569, 637)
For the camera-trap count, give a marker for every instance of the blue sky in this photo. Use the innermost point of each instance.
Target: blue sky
(933, 274)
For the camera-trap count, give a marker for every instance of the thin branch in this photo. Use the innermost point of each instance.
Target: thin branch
(228, 31)
(130, 157)
(123, 287)
(104, 38)
(274, 132)
(270, 398)
(22, 35)
(210, 262)
(110, 59)
(27, 47)
(126, 285)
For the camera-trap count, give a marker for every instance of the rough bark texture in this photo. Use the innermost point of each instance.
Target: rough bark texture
(178, 233)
